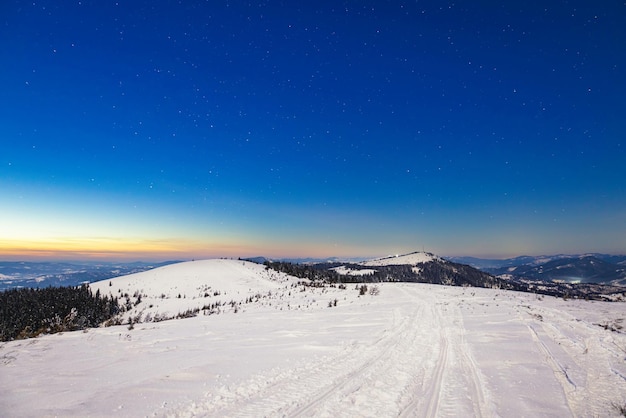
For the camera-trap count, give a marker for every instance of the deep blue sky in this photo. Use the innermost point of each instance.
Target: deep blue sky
(159, 129)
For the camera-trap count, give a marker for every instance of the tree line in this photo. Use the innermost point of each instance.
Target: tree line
(29, 312)
(434, 272)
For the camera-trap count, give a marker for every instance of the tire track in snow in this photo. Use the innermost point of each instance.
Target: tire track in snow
(434, 392)
(559, 371)
(583, 378)
(454, 386)
(419, 366)
(354, 377)
(570, 346)
(313, 387)
(475, 383)
(380, 385)
(433, 385)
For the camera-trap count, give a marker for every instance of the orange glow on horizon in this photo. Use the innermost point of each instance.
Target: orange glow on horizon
(103, 249)
(125, 249)
(167, 249)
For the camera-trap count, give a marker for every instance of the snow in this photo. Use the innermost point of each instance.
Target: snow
(410, 259)
(412, 350)
(176, 288)
(352, 272)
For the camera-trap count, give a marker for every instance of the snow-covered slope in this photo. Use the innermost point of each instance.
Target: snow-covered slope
(352, 272)
(410, 259)
(412, 350)
(176, 288)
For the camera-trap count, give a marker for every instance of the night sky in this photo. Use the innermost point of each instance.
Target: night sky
(188, 129)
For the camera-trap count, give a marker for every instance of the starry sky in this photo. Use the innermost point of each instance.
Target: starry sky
(190, 129)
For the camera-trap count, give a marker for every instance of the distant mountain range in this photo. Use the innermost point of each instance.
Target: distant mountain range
(583, 268)
(16, 274)
(424, 267)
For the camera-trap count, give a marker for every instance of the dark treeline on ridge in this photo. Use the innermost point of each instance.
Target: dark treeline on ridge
(445, 273)
(433, 272)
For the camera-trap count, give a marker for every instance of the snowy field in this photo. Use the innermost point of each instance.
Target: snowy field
(275, 348)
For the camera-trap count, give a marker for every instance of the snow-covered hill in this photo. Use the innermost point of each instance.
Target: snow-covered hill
(223, 284)
(411, 350)
(397, 260)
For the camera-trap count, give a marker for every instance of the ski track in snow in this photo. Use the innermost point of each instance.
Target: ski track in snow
(419, 366)
(413, 351)
(561, 345)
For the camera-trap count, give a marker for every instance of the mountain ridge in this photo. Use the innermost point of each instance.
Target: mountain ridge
(579, 268)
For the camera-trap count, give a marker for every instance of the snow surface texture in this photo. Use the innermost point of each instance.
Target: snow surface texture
(350, 272)
(410, 259)
(412, 350)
